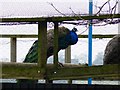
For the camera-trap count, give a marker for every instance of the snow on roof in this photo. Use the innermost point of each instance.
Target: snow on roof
(40, 8)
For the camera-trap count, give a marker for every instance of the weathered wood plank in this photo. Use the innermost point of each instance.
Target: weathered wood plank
(31, 71)
(68, 55)
(18, 36)
(35, 36)
(68, 58)
(60, 18)
(97, 36)
(56, 44)
(42, 46)
(86, 72)
(13, 49)
(19, 70)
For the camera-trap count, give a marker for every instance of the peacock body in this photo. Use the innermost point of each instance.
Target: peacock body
(65, 38)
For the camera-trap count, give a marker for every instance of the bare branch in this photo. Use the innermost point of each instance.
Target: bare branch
(109, 22)
(109, 6)
(84, 31)
(72, 11)
(56, 9)
(114, 7)
(95, 22)
(113, 11)
(83, 21)
(102, 7)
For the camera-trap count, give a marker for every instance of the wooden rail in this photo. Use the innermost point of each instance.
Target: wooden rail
(60, 18)
(69, 71)
(67, 51)
(19, 68)
(36, 36)
(53, 72)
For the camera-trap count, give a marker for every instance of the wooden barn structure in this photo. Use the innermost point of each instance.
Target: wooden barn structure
(51, 72)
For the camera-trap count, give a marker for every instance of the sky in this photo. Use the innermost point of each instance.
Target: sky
(50, 0)
(43, 0)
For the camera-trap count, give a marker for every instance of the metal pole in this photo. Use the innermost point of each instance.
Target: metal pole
(90, 39)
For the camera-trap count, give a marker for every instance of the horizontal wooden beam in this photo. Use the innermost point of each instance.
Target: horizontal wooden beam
(97, 36)
(69, 71)
(18, 36)
(60, 18)
(95, 72)
(36, 36)
(19, 70)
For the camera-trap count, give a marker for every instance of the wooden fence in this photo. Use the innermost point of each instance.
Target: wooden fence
(49, 72)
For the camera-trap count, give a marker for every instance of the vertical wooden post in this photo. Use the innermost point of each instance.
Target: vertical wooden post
(56, 44)
(119, 12)
(49, 81)
(69, 81)
(55, 53)
(68, 58)
(42, 46)
(68, 55)
(13, 49)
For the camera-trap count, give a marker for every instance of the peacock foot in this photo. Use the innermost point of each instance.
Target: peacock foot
(60, 64)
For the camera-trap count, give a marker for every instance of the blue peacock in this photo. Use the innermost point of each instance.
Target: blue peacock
(66, 37)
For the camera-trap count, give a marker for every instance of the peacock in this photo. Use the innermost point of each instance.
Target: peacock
(66, 37)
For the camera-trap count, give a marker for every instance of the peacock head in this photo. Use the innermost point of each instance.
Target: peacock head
(73, 36)
(69, 39)
(74, 29)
